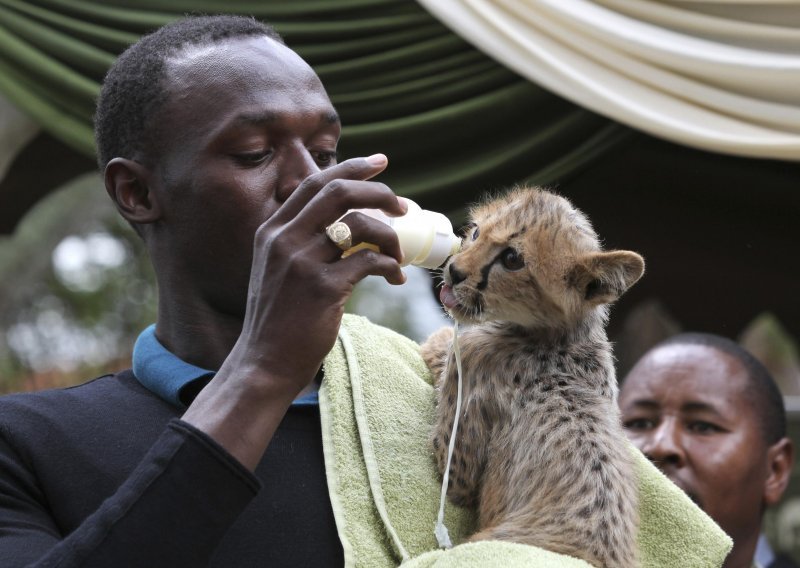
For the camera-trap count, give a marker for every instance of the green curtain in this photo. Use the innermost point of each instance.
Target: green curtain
(453, 122)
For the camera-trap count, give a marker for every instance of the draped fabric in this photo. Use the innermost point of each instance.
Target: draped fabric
(720, 75)
(16, 130)
(452, 121)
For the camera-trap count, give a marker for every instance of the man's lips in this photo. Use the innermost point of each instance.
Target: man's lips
(447, 297)
(686, 488)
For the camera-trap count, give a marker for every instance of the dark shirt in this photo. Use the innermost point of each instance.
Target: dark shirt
(106, 475)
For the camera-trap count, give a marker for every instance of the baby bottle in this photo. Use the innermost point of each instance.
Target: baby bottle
(426, 237)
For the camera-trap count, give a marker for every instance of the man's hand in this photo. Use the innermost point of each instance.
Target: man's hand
(298, 287)
(299, 283)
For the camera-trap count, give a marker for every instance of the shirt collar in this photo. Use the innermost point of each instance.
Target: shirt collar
(764, 554)
(168, 376)
(161, 371)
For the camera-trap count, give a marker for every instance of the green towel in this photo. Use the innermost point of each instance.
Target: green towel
(377, 408)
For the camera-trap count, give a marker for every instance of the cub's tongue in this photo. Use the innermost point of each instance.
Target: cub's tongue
(447, 297)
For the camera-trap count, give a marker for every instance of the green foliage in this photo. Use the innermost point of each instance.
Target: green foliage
(76, 288)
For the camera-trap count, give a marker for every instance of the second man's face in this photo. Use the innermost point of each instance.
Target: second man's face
(686, 408)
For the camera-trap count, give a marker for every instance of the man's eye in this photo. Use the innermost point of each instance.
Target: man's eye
(253, 158)
(701, 427)
(325, 159)
(639, 424)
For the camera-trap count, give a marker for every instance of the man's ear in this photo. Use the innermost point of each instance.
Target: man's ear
(602, 277)
(780, 457)
(127, 184)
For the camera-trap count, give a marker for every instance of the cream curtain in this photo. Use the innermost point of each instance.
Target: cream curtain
(403, 83)
(718, 75)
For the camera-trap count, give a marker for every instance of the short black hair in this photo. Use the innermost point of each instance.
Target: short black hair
(133, 89)
(764, 393)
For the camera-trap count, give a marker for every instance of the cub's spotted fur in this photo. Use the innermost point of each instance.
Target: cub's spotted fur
(540, 450)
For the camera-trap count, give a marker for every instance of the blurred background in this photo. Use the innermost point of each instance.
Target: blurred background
(674, 125)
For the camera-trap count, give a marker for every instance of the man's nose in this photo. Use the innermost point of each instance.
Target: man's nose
(664, 446)
(297, 165)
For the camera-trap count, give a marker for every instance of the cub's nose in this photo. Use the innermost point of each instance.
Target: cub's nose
(456, 275)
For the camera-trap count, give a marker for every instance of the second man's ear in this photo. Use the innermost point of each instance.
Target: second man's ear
(127, 183)
(780, 458)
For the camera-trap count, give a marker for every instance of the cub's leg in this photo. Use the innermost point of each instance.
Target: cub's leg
(466, 467)
(435, 351)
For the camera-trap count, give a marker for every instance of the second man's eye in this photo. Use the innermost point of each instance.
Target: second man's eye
(639, 424)
(703, 427)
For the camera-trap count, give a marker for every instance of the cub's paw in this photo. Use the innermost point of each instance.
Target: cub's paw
(434, 350)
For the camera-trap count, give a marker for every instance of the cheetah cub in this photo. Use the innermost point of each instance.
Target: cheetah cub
(540, 450)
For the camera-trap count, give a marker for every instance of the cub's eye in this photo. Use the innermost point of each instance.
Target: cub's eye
(466, 230)
(511, 259)
(476, 232)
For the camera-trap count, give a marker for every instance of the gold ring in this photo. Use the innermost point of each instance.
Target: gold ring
(339, 233)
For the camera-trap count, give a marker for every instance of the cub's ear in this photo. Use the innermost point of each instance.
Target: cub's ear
(602, 277)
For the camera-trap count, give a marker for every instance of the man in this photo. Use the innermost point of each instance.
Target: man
(208, 132)
(709, 415)
(224, 446)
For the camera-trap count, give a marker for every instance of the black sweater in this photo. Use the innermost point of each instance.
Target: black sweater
(106, 475)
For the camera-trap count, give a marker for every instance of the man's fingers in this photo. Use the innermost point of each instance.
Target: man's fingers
(367, 262)
(353, 169)
(370, 233)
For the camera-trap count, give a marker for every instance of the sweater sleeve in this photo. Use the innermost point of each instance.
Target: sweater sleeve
(171, 511)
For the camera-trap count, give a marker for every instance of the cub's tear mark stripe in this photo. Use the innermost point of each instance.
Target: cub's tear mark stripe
(486, 269)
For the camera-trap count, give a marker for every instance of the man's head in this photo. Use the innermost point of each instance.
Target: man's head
(711, 418)
(133, 92)
(204, 129)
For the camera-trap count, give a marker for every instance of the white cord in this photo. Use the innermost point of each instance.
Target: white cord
(442, 536)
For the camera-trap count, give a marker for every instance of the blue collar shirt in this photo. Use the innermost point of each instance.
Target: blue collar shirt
(172, 378)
